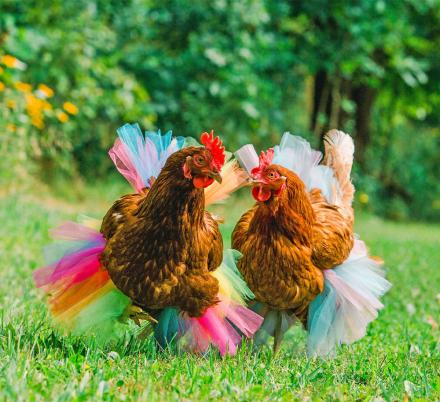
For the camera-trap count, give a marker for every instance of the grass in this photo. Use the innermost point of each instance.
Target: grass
(399, 357)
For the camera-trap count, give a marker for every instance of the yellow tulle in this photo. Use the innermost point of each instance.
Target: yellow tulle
(233, 178)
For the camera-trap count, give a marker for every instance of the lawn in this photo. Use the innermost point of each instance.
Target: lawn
(399, 356)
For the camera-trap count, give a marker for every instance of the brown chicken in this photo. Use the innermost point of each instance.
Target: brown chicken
(161, 243)
(291, 234)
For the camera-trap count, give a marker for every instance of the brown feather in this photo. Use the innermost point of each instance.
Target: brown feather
(332, 233)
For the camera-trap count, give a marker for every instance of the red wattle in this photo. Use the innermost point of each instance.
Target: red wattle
(261, 194)
(202, 181)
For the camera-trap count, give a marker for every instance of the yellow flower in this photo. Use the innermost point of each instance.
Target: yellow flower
(11, 127)
(45, 90)
(23, 87)
(45, 105)
(1, 70)
(12, 62)
(363, 198)
(10, 103)
(69, 107)
(2, 86)
(37, 121)
(62, 117)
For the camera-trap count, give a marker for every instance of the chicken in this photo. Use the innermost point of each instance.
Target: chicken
(296, 231)
(159, 254)
(162, 245)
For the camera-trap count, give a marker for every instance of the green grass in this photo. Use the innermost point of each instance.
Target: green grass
(400, 354)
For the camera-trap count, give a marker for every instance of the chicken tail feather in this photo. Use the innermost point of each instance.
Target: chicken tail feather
(339, 151)
(233, 177)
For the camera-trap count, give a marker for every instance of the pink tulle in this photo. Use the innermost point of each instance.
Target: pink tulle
(244, 319)
(71, 269)
(120, 156)
(214, 327)
(222, 334)
(72, 231)
(359, 250)
(76, 266)
(356, 297)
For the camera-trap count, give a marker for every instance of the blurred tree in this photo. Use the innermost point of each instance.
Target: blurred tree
(250, 70)
(353, 50)
(222, 64)
(70, 46)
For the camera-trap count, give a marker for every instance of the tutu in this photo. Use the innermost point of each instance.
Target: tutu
(222, 325)
(349, 302)
(84, 300)
(82, 297)
(140, 157)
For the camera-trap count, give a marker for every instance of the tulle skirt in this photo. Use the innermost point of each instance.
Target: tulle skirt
(84, 300)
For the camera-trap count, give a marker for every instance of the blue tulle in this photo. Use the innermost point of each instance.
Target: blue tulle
(148, 152)
(131, 136)
(349, 302)
(162, 142)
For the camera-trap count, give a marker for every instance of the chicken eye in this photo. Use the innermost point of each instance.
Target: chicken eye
(271, 175)
(199, 160)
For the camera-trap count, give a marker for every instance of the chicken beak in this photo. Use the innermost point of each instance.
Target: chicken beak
(255, 182)
(216, 176)
(273, 186)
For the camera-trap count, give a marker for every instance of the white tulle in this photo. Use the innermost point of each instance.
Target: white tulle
(247, 157)
(296, 154)
(349, 302)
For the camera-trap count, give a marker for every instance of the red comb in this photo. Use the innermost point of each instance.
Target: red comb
(265, 160)
(215, 146)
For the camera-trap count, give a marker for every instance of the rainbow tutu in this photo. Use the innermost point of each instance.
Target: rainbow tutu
(84, 300)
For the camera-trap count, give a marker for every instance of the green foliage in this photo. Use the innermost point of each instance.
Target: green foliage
(222, 65)
(398, 358)
(244, 68)
(71, 47)
(404, 172)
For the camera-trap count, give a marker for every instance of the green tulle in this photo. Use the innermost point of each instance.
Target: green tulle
(102, 317)
(231, 280)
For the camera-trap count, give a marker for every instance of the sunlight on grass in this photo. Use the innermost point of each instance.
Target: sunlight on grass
(398, 356)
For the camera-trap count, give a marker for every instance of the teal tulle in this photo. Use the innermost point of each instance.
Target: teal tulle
(140, 157)
(167, 327)
(349, 302)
